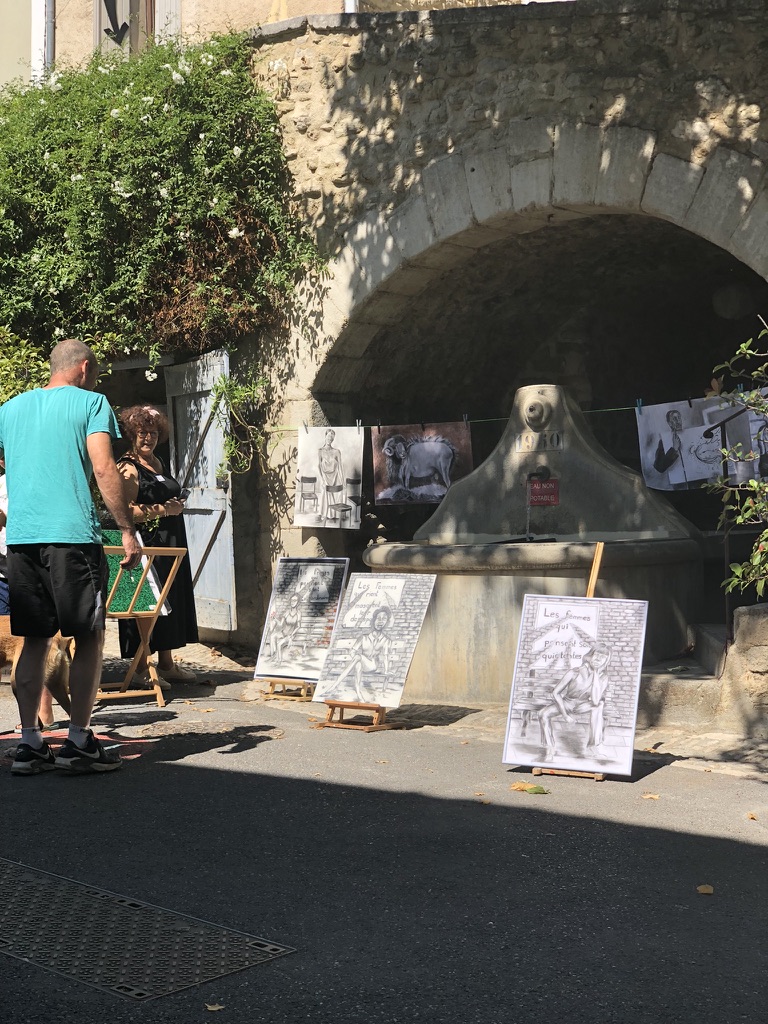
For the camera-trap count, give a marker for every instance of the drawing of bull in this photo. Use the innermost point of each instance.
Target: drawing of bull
(418, 458)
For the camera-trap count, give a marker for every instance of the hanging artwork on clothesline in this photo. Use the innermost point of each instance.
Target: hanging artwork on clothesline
(375, 637)
(576, 684)
(329, 477)
(675, 452)
(302, 613)
(416, 464)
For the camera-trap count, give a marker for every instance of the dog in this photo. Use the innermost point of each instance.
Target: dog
(56, 679)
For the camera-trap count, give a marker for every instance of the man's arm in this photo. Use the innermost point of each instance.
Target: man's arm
(110, 484)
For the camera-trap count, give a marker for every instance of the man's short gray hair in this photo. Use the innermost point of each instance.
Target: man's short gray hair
(69, 353)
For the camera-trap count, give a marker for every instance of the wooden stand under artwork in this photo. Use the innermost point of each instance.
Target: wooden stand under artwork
(289, 688)
(377, 723)
(145, 622)
(591, 584)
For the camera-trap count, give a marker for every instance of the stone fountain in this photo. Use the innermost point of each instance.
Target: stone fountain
(526, 522)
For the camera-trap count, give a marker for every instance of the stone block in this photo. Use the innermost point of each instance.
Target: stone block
(750, 627)
(447, 196)
(531, 184)
(756, 659)
(671, 187)
(384, 308)
(355, 340)
(624, 165)
(729, 186)
(409, 280)
(529, 139)
(443, 257)
(748, 241)
(489, 184)
(411, 227)
(373, 248)
(577, 154)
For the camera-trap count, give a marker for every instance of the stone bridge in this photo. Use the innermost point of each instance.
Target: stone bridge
(567, 192)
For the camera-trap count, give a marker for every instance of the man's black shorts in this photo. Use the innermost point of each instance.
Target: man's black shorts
(57, 587)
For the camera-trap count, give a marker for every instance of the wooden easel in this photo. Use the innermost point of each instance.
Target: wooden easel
(145, 622)
(591, 584)
(305, 687)
(377, 723)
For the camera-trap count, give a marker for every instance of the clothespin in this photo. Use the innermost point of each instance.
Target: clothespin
(305, 426)
(358, 424)
(690, 403)
(423, 428)
(378, 425)
(465, 417)
(639, 406)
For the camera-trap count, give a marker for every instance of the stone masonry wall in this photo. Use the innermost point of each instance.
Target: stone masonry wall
(368, 101)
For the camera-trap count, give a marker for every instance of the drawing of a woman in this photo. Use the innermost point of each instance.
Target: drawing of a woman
(330, 471)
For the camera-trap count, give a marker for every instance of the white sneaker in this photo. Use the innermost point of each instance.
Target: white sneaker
(178, 674)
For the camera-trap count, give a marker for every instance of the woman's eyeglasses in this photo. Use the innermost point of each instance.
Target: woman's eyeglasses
(147, 433)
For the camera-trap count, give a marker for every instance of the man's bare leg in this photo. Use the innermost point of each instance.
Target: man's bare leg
(30, 671)
(85, 676)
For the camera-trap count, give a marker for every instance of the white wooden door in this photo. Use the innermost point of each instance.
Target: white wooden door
(197, 451)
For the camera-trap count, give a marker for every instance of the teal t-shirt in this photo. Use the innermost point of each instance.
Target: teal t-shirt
(43, 435)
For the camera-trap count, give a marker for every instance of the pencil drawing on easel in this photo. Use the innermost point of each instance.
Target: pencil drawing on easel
(576, 684)
(375, 637)
(301, 616)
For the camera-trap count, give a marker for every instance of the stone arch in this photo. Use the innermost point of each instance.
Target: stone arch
(545, 174)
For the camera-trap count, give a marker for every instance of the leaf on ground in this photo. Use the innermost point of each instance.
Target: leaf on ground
(528, 787)
(485, 801)
(464, 743)
(752, 816)
(650, 796)
(207, 710)
(382, 762)
(479, 794)
(214, 653)
(214, 1006)
(705, 890)
(311, 719)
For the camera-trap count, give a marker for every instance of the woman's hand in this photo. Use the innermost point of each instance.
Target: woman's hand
(173, 507)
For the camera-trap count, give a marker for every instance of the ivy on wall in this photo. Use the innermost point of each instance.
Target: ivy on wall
(145, 207)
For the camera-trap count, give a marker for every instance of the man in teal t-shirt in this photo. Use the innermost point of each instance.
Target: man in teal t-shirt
(53, 439)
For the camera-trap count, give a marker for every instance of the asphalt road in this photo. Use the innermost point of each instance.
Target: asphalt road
(413, 882)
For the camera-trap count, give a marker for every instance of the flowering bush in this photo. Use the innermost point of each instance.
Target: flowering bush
(145, 204)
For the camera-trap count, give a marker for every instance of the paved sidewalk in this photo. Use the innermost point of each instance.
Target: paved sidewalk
(688, 747)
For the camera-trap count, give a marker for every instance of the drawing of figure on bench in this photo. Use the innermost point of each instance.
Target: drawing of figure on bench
(284, 627)
(580, 690)
(370, 653)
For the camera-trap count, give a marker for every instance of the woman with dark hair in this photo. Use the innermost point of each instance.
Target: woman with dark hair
(154, 499)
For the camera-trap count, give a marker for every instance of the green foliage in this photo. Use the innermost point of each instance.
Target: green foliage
(145, 206)
(746, 504)
(236, 401)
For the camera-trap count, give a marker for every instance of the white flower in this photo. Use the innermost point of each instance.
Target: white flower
(163, 192)
(150, 375)
(201, 136)
(237, 151)
(119, 188)
(146, 118)
(226, 73)
(155, 175)
(46, 156)
(104, 71)
(183, 66)
(147, 99)
(208, 59)
(115, 112)
(58, 332)
(235, 233)
(166, 107)
(43, 103)
(127, 89)
(213, 202)
(75, 177)
(35, 258)
(178, 79)
(53, 82)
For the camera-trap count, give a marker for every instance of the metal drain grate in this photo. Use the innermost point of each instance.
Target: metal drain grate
(118, 944)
